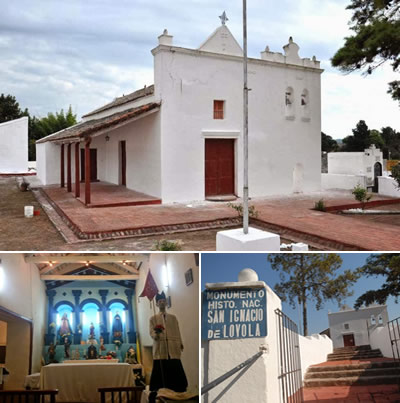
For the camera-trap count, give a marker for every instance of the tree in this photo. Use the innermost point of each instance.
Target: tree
(52, 123)
(306, 277)
(9, 109)
(360, 140)
(375, 137)
(376, 39)
(391, 140)
(328, 144)
(388, 266)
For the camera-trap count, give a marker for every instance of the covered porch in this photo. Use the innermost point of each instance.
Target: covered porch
(78, 161)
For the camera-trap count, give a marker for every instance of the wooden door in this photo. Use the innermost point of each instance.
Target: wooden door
(123, 162)
(93, 164)
(348, 340)
(377, 172)
(219, 167)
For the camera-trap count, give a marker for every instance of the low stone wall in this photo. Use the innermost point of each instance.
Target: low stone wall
(314, 350)
(387, 186)
(342, 181)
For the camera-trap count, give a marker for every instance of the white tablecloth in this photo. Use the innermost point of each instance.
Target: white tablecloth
(77, 382)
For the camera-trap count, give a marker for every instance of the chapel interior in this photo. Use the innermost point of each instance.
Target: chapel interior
(59, 311)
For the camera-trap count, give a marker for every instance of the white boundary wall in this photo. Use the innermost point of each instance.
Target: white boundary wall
(379, 338)
(314, 349)
(388, 187)
(342, 181)
(14, 146)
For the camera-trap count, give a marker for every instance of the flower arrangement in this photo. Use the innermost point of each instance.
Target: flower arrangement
(159, 329)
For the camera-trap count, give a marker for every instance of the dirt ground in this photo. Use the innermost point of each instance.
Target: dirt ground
(391, 219)
(19, 233)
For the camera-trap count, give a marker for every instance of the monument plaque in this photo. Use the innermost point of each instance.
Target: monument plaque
(238, 313)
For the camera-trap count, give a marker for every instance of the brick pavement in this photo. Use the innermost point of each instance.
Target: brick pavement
(292, 214)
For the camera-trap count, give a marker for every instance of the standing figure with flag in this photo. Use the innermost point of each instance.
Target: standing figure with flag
(167, 370)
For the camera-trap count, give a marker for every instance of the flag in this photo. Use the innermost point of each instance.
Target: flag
(150, 289)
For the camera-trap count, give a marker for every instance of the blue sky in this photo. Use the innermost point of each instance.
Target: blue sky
(221, 267)
(85, 53)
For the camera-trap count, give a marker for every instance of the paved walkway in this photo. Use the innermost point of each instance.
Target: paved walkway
(353, 394)
(292, 215)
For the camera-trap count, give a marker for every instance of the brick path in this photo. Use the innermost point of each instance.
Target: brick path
(292, 215)
(350, 394)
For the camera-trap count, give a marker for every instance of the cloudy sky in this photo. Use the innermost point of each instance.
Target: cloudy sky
(84, 53)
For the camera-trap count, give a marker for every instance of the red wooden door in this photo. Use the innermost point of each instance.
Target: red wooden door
(348, 340)
(93, 165)
(219, 167)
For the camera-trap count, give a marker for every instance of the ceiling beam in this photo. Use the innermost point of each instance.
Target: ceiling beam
(74, 258)
(117, 277)
(127, 267)
(49, 268)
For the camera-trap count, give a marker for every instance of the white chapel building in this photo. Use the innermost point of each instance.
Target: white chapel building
(181, 138)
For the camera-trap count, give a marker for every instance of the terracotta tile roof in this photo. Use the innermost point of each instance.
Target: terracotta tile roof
(85, 129)
(143, 92)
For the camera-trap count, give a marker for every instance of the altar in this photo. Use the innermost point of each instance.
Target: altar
(79, 381)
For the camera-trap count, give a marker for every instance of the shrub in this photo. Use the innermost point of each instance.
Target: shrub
(361, 195)
(319, 205)
(165, 244)
(396, 174)
(239, 208)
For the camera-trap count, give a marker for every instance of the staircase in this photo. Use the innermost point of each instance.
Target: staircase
(366, 372)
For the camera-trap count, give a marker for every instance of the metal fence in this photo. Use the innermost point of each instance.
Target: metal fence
(394, 334)
(290, 376)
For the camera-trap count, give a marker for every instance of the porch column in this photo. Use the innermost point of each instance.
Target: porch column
(69, 180)
(132, 331)
(77, 182)
(62, 180)
(87, 172)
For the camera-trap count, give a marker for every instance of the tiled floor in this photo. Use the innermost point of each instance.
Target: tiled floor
(292, 213)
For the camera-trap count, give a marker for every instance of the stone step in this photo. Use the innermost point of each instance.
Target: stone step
(356, 372)
(354, 357)
(369, 354)
(349, 381)
(361, 365)
(352, 348)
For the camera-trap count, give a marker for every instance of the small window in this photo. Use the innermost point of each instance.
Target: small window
(346, 326)
(380, 319)
(373, 320)
(219, 109)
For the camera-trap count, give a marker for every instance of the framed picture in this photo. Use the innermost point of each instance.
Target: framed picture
(189, 277)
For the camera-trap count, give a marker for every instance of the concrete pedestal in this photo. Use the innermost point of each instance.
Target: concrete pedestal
(255, 240)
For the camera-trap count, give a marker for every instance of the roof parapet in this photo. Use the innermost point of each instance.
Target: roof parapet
(165, 38)
(291, 56)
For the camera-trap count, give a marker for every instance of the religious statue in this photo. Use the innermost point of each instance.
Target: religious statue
(102, 348)
(67, 344)
(130, 356)
(77, 355)
(65, 328)
(116, 329)
(167, 370)
(92, 352)
(91, 331)
(52, 353)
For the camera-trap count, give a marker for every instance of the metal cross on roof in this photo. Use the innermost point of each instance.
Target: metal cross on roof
(223, 18)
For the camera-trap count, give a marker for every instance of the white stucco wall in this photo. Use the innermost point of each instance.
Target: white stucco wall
(220, 356)
(48, 163)
(355, 163)
(388, 187)
(14, 146)
(143, 155)
(187, 82)
(379, 338)
(24, 294)
(185, 306)
(359, 324)
(342, 181)
(314, 349)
